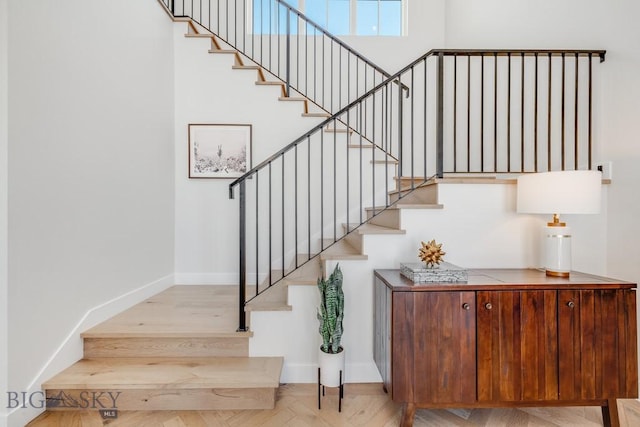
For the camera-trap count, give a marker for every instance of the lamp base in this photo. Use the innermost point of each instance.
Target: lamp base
(557, 273)
(558, 251)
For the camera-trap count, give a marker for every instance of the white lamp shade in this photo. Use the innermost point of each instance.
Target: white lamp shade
(563, 192)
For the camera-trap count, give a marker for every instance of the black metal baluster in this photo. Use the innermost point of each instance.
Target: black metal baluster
(306, 59)
(257, 232)
(426, 115)
(509, 112)
(288, 58)
(389, 138)
(373, 155)
(563, 112)
(242, 320)
(347, 157)
(575, 134)
(270, 231)
(495, 111)
(282, 222)
(455, 114)
(468, 109)
(339, 77)
(295, 203)
(244, 29)
(549, 115)
(298, 85)
(360, 133)
(590, 109)
(440, 117)
(398, 85)
(321, 190)
(323, 67)
(270, 36)
(335, 183)
(261, 32)
(331, 80)
(315, 55)
(535, 118)
(412, 124)
(522, 116)
(365, 105)
(481, 112)
(309, 197)
(348, 77)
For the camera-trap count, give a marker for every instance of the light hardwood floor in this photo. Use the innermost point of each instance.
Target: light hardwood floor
(206, 311)
(363, 405)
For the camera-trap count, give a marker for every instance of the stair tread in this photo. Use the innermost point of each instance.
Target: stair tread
(316, 115)
(374, 229)
(165, 334)
(167, 373)
(333, 130)
(179, 311)
(408, 206)
(222, 51)
(292, 98)
(245, 67)
(269, 83)
(342, 250)
(267, 306)
(200, 35)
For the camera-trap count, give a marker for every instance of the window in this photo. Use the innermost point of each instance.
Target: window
(379, 17)
(339, 17)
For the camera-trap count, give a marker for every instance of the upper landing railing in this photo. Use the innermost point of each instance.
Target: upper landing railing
(468, 111)
(282, 40)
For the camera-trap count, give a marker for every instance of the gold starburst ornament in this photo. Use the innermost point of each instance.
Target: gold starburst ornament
(431, 253)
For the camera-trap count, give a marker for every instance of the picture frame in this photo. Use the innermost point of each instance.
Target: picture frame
(221, 151)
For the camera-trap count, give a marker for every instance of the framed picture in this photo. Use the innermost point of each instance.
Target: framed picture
(219, 151)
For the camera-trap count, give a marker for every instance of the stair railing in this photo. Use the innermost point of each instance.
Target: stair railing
(469, 111)
(288, 44)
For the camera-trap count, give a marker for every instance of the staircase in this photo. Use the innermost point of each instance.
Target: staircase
(176, 350)
(384, 146)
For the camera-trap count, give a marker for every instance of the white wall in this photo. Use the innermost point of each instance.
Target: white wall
(209, 91)
(91, 191)
(4, 141)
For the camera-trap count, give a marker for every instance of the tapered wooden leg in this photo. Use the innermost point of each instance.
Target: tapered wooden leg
(610, 415)
(408, 413)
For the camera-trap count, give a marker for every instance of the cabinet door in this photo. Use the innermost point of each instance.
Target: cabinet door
(517, 346)
(445, 347)
(597, 351)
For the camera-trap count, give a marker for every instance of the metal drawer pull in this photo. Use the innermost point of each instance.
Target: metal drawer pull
(571, 304)
(488, 306)
(466, 306)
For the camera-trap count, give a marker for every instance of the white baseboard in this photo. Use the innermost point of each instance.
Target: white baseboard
(206, 278)
(70, 350)
(293, 373)
(214, 278)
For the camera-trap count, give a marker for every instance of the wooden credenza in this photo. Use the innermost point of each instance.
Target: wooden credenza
(507, 338)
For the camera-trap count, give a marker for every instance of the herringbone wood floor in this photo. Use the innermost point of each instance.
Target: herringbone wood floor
(363, 405)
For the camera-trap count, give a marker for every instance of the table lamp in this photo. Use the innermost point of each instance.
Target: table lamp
(563, 192)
